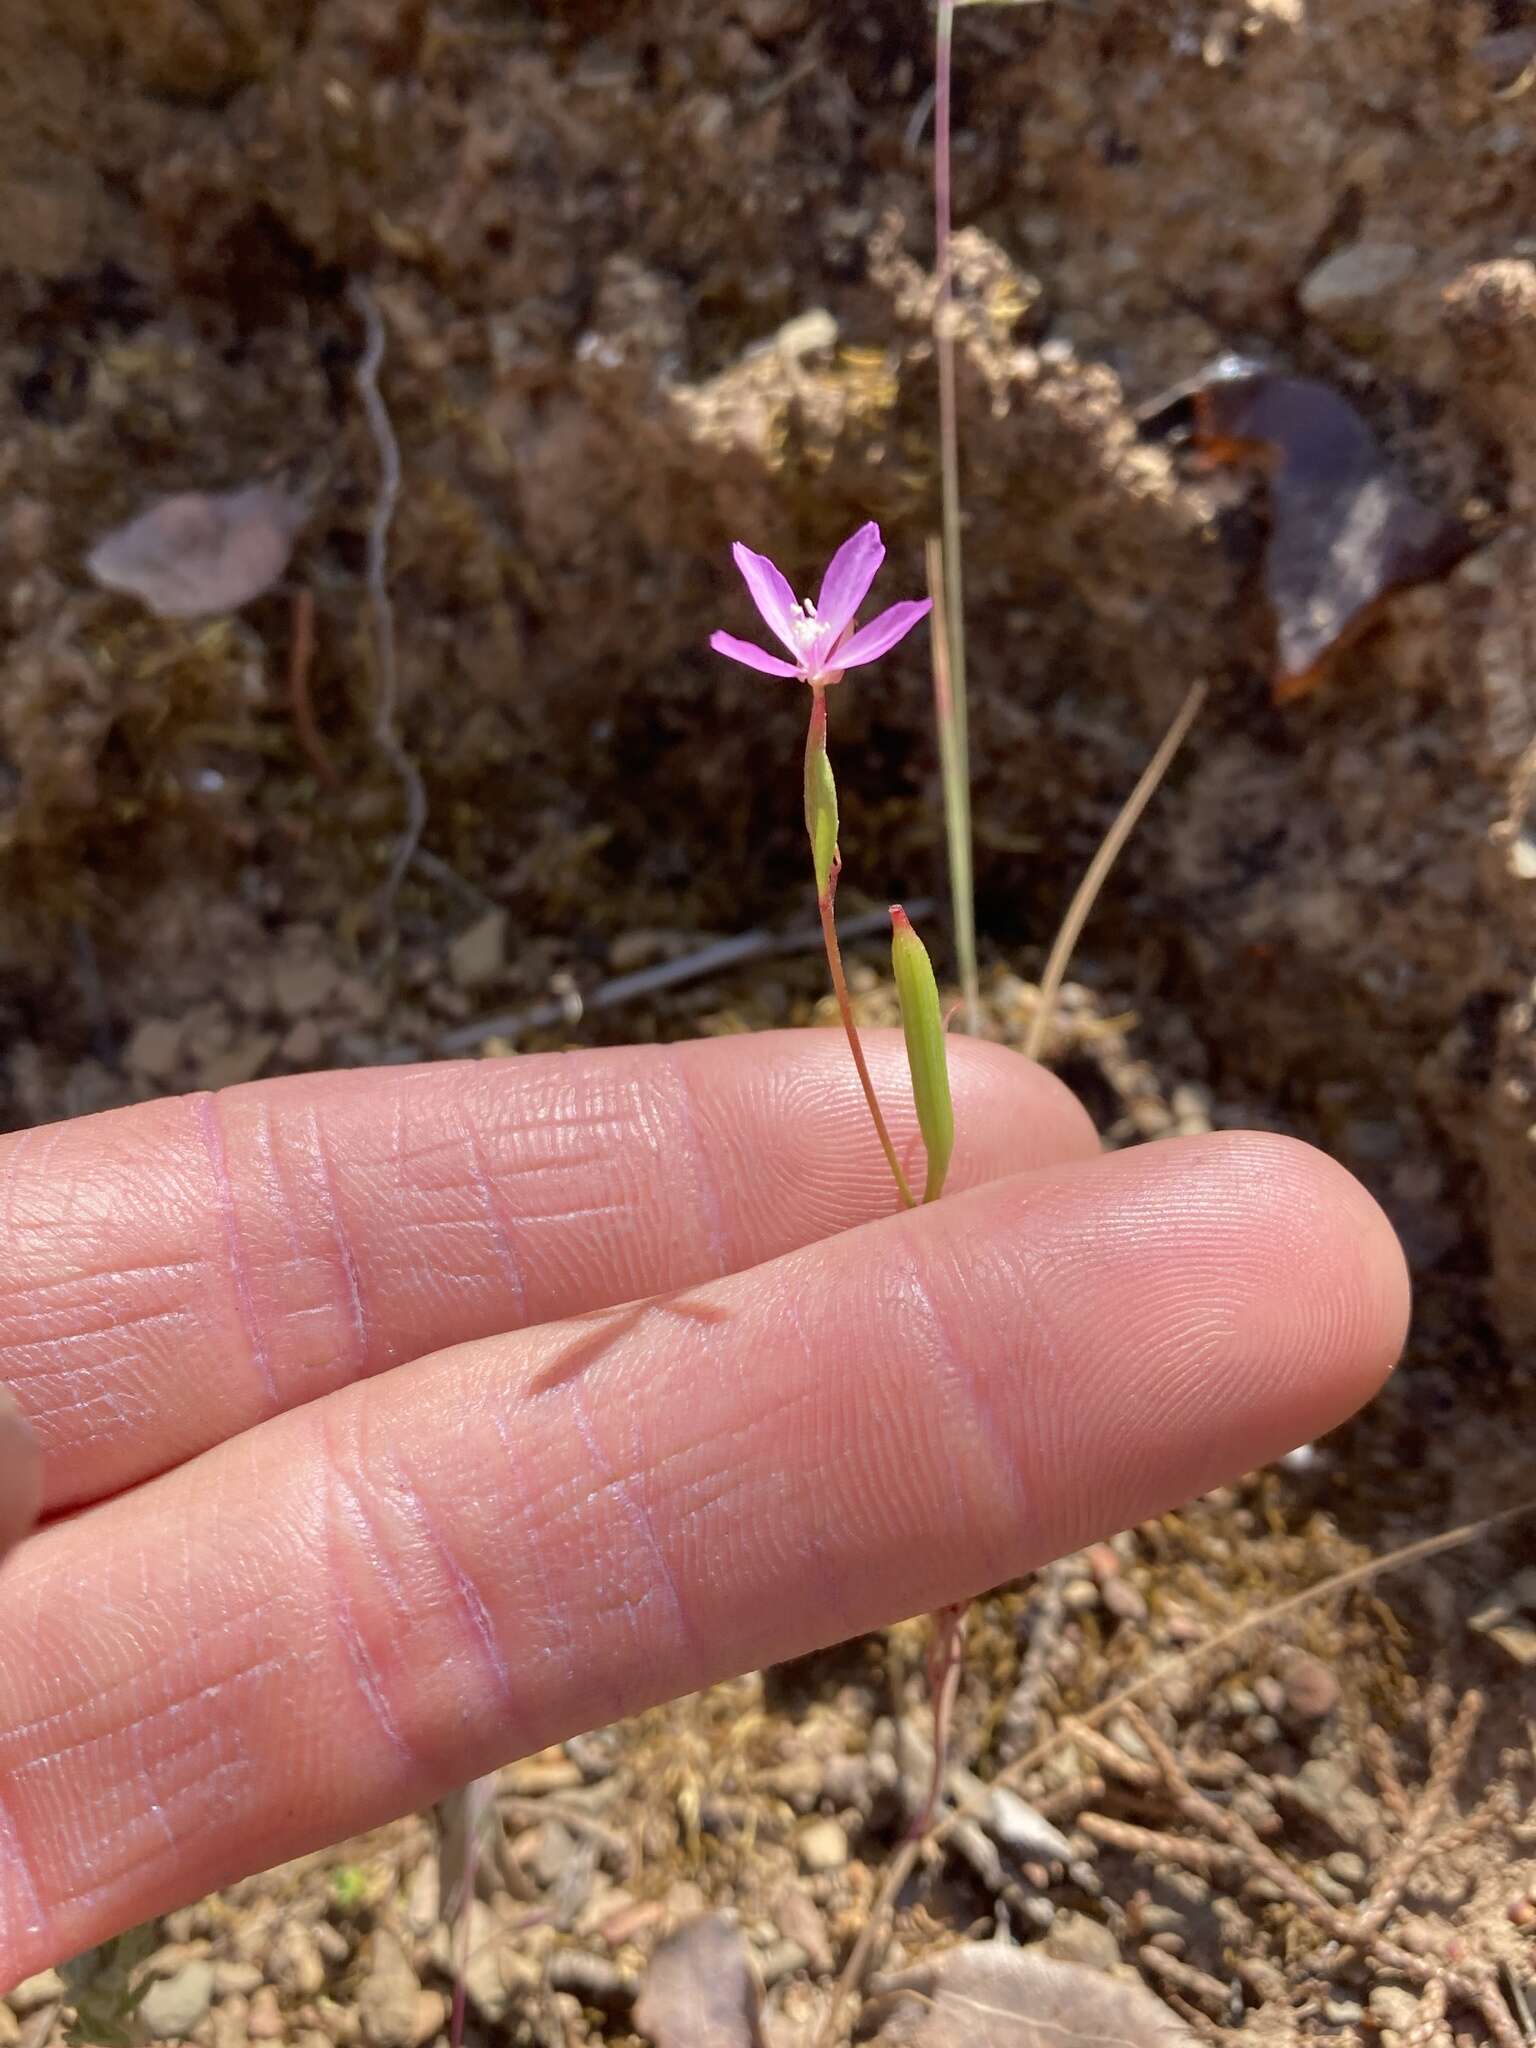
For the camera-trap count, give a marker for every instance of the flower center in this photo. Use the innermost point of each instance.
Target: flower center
(805, 625)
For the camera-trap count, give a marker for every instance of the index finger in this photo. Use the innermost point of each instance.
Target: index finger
(174, 1273)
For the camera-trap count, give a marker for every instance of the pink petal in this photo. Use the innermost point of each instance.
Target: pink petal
(846, 584)
(882, 633)
(770, 593)
(753, 657)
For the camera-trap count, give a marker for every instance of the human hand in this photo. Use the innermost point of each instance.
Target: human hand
(363, 1483)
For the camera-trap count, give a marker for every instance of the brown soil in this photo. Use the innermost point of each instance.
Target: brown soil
(658, 276)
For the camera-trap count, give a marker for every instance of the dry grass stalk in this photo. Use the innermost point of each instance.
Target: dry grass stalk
(1110, 849)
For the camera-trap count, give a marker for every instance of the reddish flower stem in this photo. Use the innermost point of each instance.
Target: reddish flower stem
(816, 740)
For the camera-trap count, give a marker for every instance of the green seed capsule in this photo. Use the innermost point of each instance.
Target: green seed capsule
(922, 1024)
(821, 815)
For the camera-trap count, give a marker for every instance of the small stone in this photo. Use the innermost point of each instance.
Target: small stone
(799, 1783)
(431, 2015)
(423, 1896)
(1393, 2006)
(390, 1995)
(1121, 1599)
(235, 1980)
(1079, 1596)
(498, 1973)
(477, 956)
(1325, 1790)
(173, 2006)
(1311, 1688)
(1074, 1938)
(822, 1846)
(331, 1942)
(304, 1043)
(264, 2022)
(1350, 292)
(294, 1963)
(1101, 1560)
(242, 1062)
(302, 986)
(1348, 1868)
(154, 1050)
(1517, 1639)
(32, 1993)
(550, 1771)
(226, 2023)
(799, 1920)
(338, 2023)
(1342, 2012)
(1016, 1824)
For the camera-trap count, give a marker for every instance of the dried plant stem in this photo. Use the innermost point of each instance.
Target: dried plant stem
(816, 739)
(949, 622)
(386, 690)
(1099, 867)
(946, 1656)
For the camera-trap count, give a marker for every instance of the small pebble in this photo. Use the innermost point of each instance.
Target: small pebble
(1348, 1868)
(822, 1846)
(173, 2006)
(235, 1980)
(1311, 1688)
(1123, 1601)
(1074, 1938)
(1393, 2006)
(46, 1988)
(265, 2020)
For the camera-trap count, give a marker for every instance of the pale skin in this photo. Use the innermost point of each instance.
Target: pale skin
(341, 1506)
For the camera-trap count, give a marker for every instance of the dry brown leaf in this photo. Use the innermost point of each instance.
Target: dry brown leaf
(701, 1990)
(987, 1995)
(202, 553)
(1345, 531)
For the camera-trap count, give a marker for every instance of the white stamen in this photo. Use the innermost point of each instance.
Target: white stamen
(805, 625)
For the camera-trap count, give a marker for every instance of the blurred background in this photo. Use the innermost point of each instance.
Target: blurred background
(653, 275)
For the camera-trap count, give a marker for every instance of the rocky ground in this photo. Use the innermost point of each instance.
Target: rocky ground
(652, 278)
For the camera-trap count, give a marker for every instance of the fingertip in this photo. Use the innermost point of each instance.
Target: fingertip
(1338, 1300)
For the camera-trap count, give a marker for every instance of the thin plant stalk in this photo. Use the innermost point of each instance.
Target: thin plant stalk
(1110, 848)
(949, 633)
(826, 892)
(946, 1656)
(954, 775)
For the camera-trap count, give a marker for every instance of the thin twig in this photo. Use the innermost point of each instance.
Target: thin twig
(386, 689)
(954, 716)
(714, 958)
(1109, 852)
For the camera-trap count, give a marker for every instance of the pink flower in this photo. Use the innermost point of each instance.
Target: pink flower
(820, 636)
